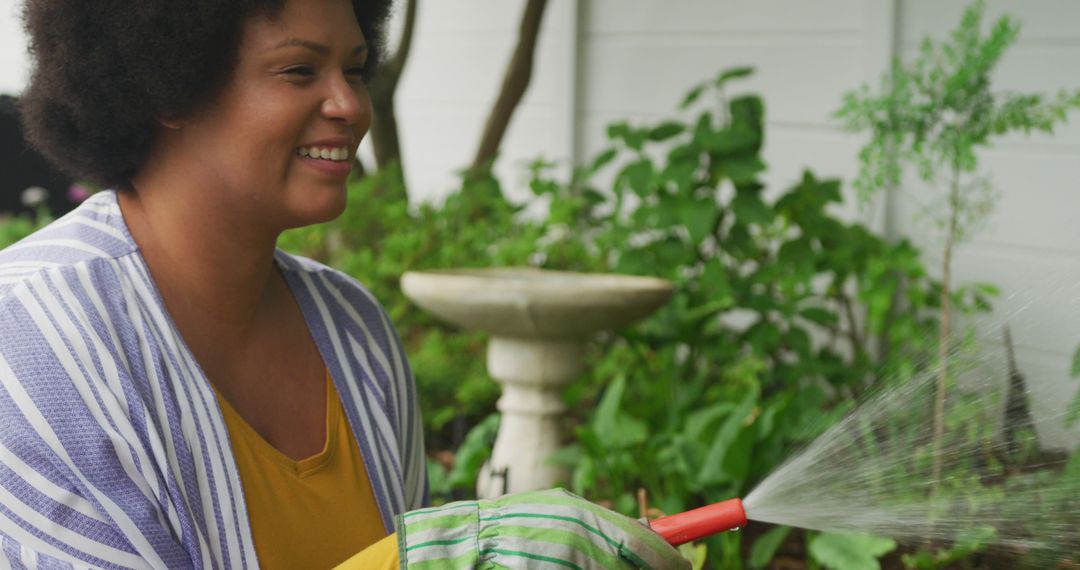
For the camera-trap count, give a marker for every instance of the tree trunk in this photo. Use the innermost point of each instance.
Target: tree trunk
(384, 130)
(944, 328)
(513, 87)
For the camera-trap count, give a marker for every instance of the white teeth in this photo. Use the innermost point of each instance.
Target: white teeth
(337, 154)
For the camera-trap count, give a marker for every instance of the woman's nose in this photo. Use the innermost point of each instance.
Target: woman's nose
(346, 102)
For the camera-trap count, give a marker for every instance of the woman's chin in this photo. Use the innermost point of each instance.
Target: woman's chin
(324, 206)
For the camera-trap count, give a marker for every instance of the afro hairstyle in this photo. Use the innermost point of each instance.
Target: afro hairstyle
(106, 71)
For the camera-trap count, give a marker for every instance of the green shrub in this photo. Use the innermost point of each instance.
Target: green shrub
(15, 228)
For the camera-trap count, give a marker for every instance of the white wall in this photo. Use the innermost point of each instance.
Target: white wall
(459, 54)
(14, 61)
(641, 57)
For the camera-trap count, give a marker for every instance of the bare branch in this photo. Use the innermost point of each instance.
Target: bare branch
(384, 130)
(515, 82)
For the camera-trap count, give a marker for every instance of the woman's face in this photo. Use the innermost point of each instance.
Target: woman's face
(277, 143)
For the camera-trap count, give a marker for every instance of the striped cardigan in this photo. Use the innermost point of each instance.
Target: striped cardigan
(113, 451)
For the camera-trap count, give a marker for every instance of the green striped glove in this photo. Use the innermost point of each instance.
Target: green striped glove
(540, 529)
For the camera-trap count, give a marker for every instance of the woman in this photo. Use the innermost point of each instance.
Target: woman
(177, 392)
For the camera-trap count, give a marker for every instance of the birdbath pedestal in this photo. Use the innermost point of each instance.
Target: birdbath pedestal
(539, 322)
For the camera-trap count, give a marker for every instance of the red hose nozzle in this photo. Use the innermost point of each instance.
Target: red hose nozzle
(692, 525)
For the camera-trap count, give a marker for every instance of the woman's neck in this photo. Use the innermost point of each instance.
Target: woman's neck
(214, 269)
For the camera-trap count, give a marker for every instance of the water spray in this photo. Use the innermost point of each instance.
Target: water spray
(698, 523)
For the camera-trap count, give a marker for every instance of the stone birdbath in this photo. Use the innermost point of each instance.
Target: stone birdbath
(539, 321)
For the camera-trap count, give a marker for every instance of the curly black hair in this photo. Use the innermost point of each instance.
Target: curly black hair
(105, 71)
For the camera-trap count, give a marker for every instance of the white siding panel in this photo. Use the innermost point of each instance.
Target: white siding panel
(443, 138)
(470, 70)
(1040, 303)
(14, 57)
(736, 16)
(1042, 21)
(471, 16)
(1050, 390)
(445, 67)
(1040, 294)
(1038, 200)
(802, 80)
(459, 55)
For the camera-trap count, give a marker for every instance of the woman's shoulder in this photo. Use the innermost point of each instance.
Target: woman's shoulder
(342, 302)
(67, 283)
(325, 281)
(93, 232)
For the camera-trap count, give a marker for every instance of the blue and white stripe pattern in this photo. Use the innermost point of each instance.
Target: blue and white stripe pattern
(113, 451)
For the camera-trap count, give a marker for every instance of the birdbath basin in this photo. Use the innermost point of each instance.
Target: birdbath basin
(539, 321)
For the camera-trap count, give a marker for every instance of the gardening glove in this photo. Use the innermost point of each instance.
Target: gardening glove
(540, 529)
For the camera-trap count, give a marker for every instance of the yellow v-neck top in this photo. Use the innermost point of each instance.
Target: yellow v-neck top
(314, 513)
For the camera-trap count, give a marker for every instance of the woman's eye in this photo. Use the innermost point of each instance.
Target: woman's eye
(300, 71)
(357, 73)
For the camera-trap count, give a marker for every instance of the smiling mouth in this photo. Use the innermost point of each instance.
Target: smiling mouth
(335, 154)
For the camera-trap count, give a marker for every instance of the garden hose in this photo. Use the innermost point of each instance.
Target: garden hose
(698, 523)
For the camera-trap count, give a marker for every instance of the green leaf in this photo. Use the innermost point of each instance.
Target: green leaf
(700, 420)
(764, 336)
(747, 115)
(696, 553)
(568, 456)
(988, 289)
(603, 159)
(1076, 363)
(749, 208)
(1072, 414)
(737, 458)
(745, 169)
(698, 217)
(607, 412)
(692, 96)
(665, 131)
(712, 470)
(638, 175)
(437, 483)
(728, 141)
(838, 551)
(715, 283)
(618, 130)
(681, 174)
(584, 478)
(733, 73)
(823, 317)
(474, 451)
(766, 545)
